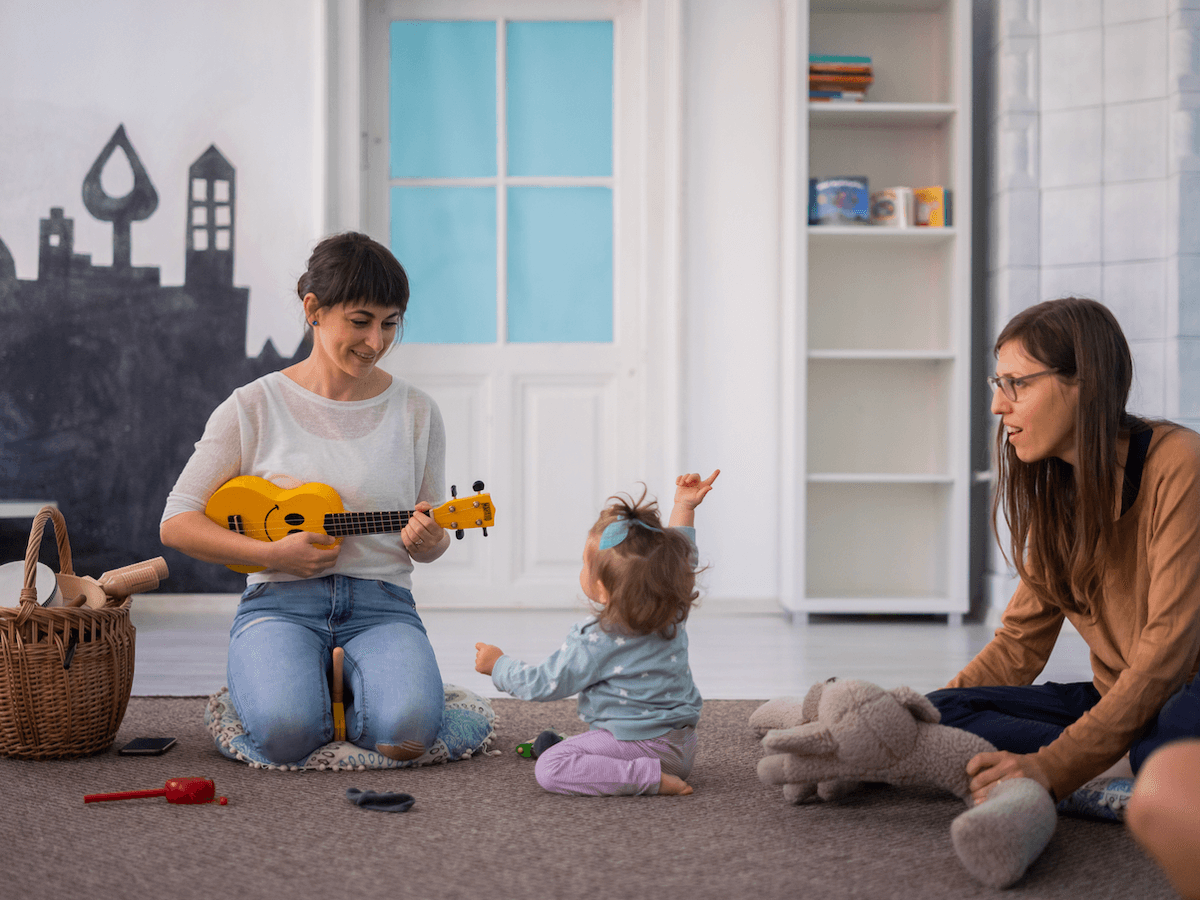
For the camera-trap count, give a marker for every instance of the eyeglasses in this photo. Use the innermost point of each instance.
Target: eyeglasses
(1009, 386)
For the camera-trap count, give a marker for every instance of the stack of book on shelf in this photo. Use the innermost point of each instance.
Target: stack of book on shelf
(835, 77)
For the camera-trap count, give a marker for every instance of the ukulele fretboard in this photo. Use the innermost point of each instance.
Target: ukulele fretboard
(344, 524)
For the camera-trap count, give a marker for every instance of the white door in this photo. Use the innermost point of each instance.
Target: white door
(504, 168)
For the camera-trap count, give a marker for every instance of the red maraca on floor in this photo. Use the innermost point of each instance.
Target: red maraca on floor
(177, 790)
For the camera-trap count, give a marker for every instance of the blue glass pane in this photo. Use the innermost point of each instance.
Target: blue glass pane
(560, 98)
(560, 264)
(445, 237)
(443, 99)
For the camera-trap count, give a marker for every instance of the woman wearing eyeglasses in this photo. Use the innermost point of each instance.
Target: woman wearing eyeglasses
(1104, 514)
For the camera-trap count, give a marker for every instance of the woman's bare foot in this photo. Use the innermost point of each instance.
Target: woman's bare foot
(672, 786)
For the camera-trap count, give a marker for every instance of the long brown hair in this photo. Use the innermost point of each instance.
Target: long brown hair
(1061, 518)
(650, 576)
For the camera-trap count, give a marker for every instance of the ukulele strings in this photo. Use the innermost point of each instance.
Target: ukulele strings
(345, 524)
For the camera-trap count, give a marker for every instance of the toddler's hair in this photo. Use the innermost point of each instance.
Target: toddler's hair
(650, 577)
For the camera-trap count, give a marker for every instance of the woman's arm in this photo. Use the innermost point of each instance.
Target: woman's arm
(185, 527)
(303, 554)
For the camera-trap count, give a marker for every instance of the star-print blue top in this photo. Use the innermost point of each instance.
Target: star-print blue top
(636, 686)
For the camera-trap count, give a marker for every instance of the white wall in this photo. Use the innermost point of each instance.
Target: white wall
(731, 300)
(246, 76)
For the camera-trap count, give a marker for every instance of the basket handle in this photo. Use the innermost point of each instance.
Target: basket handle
(29, 591)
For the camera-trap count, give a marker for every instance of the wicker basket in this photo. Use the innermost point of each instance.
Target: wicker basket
(65, 672)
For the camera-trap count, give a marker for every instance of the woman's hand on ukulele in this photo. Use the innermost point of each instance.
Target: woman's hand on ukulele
(485, 658)
(424, 539)
(305, 554)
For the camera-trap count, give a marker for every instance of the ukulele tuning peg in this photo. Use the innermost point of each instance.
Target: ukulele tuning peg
(477, 486)
(453, 490)
(485, 532)
(459, 534)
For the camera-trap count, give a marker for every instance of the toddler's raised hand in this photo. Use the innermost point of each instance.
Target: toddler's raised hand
(690, 490)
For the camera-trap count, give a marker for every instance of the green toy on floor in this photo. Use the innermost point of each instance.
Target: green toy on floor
(540, 744)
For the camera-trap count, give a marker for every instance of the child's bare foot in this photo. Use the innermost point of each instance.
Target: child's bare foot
(672, 786)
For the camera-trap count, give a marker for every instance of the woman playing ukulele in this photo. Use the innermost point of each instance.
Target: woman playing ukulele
(335, 418)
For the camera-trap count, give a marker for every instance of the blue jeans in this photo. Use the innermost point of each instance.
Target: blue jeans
(280, 659)
(1025, 718)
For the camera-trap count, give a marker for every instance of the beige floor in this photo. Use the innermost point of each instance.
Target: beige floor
(181, 643)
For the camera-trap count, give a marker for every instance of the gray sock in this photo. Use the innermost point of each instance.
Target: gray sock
(380, 801)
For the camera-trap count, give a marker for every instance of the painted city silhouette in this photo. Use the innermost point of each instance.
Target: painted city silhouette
(109, 376)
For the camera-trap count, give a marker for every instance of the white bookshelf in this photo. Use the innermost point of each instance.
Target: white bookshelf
(877, 342)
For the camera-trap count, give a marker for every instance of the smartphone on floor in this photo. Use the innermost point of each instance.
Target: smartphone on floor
(147, 746)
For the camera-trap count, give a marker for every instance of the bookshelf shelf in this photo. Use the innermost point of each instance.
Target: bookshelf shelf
(932, 235)
(881, 351)
(844, 114)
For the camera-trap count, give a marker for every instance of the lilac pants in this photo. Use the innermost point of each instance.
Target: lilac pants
(596, 764)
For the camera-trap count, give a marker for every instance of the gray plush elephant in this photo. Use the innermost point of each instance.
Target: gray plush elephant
(845, 732)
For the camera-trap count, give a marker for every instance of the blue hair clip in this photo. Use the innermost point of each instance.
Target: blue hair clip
(617, 531)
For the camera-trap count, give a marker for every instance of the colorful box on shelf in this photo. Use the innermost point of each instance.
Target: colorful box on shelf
(837, 62)
(892, 207)
(934, 206)
(843, 200)
(834, 96)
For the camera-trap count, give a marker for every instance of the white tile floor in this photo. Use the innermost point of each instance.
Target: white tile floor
(181, 645)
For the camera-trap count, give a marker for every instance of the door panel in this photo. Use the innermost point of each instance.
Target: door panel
(567, 460)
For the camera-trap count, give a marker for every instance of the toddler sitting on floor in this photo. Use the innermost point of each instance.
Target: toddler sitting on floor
(628, 662)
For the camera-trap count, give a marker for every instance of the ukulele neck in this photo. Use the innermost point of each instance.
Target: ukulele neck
(350, 523)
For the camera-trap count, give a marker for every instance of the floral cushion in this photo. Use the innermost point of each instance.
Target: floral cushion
(468, 727)
(1100, 798)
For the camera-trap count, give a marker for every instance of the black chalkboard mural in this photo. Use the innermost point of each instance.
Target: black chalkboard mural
(107, 377)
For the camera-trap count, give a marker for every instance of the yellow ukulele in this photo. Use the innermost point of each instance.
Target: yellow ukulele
(256, 508)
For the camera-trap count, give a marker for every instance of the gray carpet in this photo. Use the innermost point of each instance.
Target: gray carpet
(482, 828)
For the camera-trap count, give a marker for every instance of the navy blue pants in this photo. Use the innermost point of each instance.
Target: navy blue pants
(1025, 718)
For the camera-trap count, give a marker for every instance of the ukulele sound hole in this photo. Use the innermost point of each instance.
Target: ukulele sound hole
(294, 531)
(294, 519)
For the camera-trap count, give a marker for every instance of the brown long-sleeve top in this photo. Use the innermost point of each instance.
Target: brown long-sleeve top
(1144, 636)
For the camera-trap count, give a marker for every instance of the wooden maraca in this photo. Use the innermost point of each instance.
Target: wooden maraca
(177, 790)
